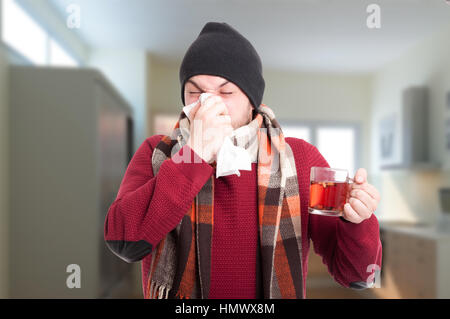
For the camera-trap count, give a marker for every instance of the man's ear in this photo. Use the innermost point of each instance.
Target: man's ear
(253, 111)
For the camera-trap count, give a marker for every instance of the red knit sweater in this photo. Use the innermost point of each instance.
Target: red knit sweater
(149, 207)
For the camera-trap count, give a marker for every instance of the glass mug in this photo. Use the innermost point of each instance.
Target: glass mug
(329, 191)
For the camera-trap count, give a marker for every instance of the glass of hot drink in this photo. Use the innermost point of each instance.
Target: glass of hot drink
(329, 191)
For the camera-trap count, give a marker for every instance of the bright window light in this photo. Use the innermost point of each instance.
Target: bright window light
(29, 39)
(23, 34)
(337, 145)
(298, 132)
(59, 57)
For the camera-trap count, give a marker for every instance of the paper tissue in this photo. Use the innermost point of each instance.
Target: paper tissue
(230, 158)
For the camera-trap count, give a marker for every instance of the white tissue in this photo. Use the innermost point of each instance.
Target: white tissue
(230, 158)
(188, 108)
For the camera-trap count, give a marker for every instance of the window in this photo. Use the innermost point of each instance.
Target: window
(59, 57)
(337, 143)
(25, 36)
(22, 34)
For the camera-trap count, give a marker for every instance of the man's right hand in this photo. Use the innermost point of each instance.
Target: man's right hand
(210, 123)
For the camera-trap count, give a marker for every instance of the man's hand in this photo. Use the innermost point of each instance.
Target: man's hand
(363, 201)
(210, 124)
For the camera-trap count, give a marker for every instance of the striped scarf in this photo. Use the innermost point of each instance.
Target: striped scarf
(180, 265)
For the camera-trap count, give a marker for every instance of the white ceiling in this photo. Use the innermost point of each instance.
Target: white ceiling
(311, 35)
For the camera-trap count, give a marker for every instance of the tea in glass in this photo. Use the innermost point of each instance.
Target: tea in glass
(329, 191)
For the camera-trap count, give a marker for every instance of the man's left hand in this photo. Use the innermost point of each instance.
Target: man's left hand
(363, 199)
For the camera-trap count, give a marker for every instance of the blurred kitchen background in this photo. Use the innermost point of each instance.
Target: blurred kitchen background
(83, 83)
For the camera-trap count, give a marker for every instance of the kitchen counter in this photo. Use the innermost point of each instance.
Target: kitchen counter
(421, 230)
(416, 259)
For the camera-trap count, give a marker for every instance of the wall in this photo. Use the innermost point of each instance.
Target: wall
(329, 97)
(4, 174)
(127, 71)
(164, 91)
(412, 194)
(4, 170)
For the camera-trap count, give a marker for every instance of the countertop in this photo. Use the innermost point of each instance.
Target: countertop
(428, 231)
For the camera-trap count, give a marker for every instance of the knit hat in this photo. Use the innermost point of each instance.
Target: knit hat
(222, 51)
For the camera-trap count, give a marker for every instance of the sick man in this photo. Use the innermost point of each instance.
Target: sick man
(242, 235)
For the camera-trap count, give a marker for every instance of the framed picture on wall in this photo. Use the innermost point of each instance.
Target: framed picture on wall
(387, 139)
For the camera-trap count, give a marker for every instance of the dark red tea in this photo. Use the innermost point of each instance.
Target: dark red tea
(328, 195)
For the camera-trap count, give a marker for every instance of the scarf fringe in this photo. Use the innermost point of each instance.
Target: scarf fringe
(158, 291)
(180, 296)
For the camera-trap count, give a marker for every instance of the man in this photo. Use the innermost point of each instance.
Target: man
(244, 236)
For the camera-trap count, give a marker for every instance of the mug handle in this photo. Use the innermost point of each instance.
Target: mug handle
(349, 181)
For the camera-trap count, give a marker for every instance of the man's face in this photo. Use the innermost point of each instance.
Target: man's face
(238, 104)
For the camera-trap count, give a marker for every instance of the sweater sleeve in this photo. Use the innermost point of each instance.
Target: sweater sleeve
(148, 207)
(351, 252)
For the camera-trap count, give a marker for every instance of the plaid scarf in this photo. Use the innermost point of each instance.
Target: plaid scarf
(180, 265)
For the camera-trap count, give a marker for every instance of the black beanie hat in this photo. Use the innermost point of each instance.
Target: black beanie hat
(222, 51)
